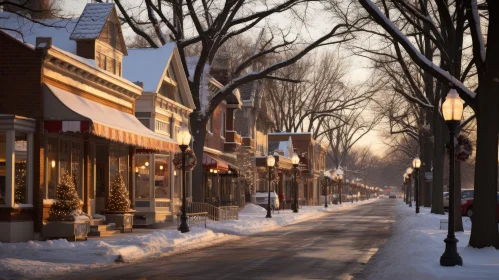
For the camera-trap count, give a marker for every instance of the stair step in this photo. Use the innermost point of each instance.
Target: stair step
(103, 233)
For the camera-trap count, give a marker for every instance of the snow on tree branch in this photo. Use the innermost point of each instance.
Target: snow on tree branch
(416, 56)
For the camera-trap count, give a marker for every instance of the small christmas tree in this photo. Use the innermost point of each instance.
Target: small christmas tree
(118, 195)
(67, 203)
(20, 181)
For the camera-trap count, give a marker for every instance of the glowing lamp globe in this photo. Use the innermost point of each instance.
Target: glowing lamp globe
(295, 160)
(452, 108)
(416, 163)
(270, 161)
(183, 136)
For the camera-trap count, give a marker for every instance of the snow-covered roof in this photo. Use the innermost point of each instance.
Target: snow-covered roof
(92, 21)
(27, 31)
(147, 65)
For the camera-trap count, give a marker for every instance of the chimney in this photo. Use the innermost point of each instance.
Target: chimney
(35, 9)
(43, 42)
(220, 67)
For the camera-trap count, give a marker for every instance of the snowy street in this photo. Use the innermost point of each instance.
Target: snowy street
(336, 245)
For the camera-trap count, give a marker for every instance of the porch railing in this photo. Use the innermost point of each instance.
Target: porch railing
(214, 213)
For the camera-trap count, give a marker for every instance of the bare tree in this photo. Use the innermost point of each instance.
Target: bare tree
(445, 24)
(321, 95)
(211, 24)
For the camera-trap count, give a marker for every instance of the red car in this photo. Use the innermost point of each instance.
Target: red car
(467, 204)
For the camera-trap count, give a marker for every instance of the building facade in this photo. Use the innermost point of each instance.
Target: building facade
(65, 109)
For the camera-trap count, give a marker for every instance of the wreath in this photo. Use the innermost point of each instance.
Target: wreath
(464, 147)
(325, 183)
(190, 160)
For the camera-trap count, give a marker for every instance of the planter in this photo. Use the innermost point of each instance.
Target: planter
(122, 219)
(70, 230)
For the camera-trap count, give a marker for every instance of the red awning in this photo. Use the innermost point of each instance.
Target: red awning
(67, 112)
(213, 162)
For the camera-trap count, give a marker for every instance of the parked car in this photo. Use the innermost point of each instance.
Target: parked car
(262, 199)
(465, 194)
(467, 207)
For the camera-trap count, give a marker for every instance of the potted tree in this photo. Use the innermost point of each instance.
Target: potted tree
(65, 217)
(118, 205)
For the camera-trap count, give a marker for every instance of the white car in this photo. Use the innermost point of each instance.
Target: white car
(262, 199)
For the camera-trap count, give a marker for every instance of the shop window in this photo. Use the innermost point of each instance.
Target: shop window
(52, 165)
(143, 177)
(20, 169)
(64, 155)
(162, 188)
(76, 166)
(2, 167)
(118, 163)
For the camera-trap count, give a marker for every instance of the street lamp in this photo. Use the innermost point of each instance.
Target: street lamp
(452, 110)
(339, 172)
(416, 164)
(325, 193)
(183, 140)
(270, 165)
(295, 160)
(409, 172)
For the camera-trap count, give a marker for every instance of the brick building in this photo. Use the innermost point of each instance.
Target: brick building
(64, 108)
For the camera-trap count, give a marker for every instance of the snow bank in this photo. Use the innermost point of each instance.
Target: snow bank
(414, 250)
(252, 218)
(56, 257)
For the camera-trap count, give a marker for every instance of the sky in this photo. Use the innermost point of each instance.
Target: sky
(357, 72)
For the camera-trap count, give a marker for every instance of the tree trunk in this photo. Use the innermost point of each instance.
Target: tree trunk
(437, 202)
(484, 228)
(421, 191)
(427, 164)
(198, 130)
(458, 218)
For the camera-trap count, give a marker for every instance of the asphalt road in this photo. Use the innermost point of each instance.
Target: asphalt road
(333, 247)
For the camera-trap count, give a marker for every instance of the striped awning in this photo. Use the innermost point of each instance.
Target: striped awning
(213, 162)
(68, 112)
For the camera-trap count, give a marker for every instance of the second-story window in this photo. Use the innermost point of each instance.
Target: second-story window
(209, 125)
(222, 128)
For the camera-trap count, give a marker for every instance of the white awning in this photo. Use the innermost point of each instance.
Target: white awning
(70, 112)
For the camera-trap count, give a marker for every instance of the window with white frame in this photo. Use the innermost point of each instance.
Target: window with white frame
(162, 127)
(209, 125)
(16, 162)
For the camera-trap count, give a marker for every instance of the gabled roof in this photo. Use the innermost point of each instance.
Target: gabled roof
(149, 66)
(92, 21)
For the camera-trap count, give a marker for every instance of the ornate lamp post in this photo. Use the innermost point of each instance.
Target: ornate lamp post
(183, 140)
(295, 160)
(270, 165)
(340, 176)
(452, 110)
(409, 172)
(405, 189)
(416, 164)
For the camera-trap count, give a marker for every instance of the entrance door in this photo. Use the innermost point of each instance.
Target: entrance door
(101, 177)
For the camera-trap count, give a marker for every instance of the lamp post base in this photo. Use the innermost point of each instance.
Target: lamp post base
(451, 257)
(183, 225)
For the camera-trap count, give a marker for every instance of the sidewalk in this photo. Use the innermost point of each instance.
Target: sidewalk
(414, 249)
(42, 259)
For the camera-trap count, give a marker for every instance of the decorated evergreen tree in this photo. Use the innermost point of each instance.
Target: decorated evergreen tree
(67, 203)
(118, 195)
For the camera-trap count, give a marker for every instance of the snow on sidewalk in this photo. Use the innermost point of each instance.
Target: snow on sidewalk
(414, 249)
(43, 259)
(252, 218)
(56, 257)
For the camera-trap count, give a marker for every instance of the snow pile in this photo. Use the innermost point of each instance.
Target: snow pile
(56, 257)
(252, 218)
(252, 209)
(414, 250)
